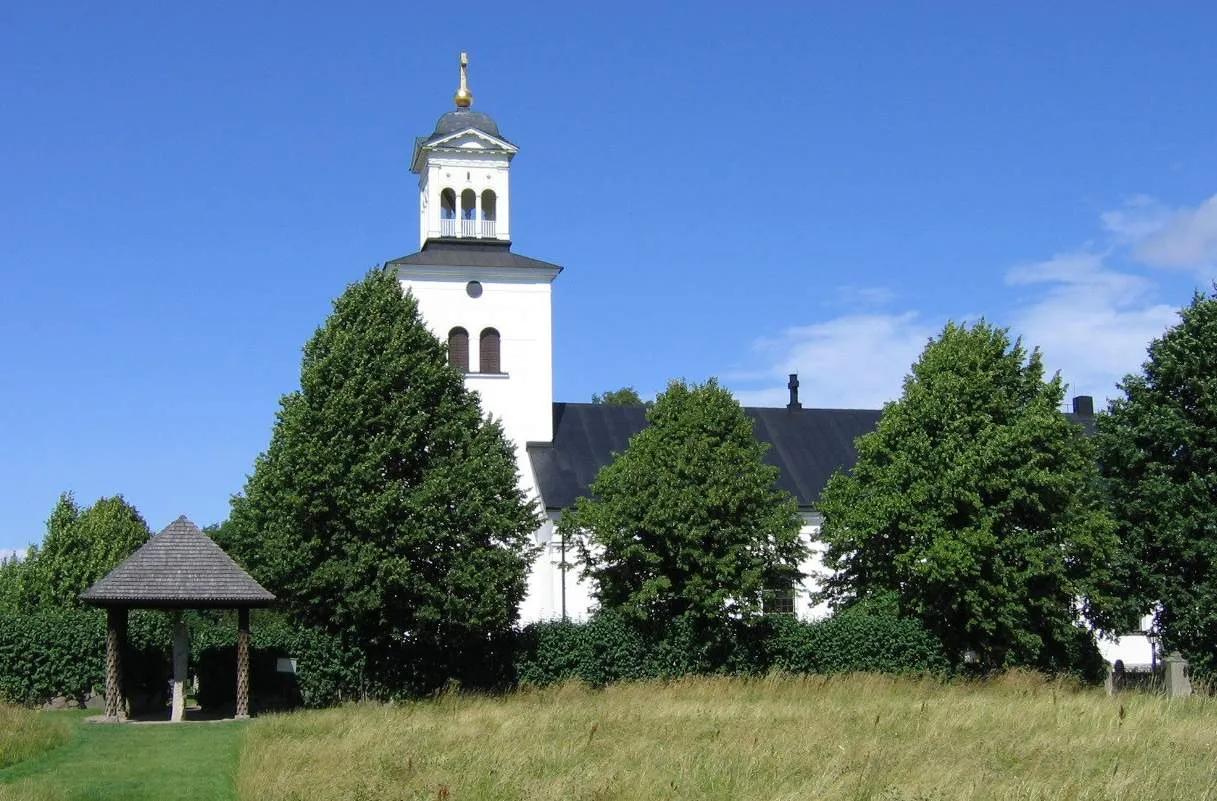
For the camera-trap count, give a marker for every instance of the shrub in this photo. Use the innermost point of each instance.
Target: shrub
(604, 650)
(61, 652)
(607, 649)
(327, 673)
(49, 653)
(856, 643)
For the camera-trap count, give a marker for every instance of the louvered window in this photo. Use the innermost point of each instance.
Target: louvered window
(458, 349)
(489, 352)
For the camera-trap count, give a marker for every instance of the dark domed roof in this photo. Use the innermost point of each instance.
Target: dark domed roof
(464, 118)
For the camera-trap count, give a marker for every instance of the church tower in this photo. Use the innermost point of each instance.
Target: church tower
(462, 169)
(491, 305)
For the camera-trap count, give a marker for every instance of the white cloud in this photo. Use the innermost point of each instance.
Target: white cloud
(1181, 239)
(1092, 322)
(855, 361)
(12, 553)
(1188, 240)
(1091, 312)
(1139, 217)
(852, 296)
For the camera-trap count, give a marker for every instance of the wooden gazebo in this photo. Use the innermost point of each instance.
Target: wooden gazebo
(180, 568)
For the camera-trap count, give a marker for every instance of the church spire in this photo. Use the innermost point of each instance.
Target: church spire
(463, 97)
(463, 173)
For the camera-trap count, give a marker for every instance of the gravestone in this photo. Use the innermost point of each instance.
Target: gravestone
(1176, 681)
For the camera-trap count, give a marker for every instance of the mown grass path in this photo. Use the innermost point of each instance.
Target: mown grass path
(132, 762)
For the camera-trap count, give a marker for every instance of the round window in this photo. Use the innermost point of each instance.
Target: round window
(473, 289)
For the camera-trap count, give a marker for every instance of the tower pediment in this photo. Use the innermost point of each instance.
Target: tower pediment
(470, 139)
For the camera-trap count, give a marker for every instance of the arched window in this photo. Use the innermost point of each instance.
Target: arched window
(489, 212)
(469, 200)
(447, 213)
(489, 352)
(458, 349)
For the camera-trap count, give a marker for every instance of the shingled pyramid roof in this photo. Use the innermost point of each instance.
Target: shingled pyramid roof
(180, 567)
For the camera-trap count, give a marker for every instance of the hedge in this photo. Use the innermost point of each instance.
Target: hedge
(856, 643)
(606, 649)
(326, 673)
(51, 653)
(61, 652)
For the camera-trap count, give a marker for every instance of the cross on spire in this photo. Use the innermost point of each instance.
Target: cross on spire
(463, 97)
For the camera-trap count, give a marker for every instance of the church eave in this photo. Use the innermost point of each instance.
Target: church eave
(454, 257)
(433, 272)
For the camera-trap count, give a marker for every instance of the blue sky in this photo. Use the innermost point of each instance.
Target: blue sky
(735, 190)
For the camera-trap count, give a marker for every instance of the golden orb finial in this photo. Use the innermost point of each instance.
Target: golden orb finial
(463, 97)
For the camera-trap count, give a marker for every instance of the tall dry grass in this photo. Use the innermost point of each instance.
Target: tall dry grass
(25, 733)
(856, 737)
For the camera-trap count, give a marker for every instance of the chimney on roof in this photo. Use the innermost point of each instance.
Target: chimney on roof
(1083, 406)
(793, 386)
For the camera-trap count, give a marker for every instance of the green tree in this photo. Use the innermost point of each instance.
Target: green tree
(686, 524)
(979, 504)
(626, 396)
(12, 580)
(1158, 448)
(386, 509)
(81, 546)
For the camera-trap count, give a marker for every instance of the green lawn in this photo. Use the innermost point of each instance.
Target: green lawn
(130, 762)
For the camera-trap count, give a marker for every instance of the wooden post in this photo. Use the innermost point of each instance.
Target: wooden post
(181, 656)
(242, 663)
(116, 635)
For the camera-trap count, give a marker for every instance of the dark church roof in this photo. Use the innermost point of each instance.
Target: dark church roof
(807, 445)
(470, 253)
(180, 567)
(462, 119)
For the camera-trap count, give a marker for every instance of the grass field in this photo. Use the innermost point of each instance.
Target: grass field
(855, 738)
(25, 734)
(851, 738)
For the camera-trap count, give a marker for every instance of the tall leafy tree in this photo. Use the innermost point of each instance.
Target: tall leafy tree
(686, 524)
(978, 504)
(1158, 449)
(81, 546)
(386, 509)
(626, 396)
(12, 580)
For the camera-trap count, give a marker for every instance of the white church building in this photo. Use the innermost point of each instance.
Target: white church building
(493, 307)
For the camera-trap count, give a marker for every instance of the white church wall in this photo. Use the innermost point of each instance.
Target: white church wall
(547, 585)
(806, 607)
(519, 309)
(539, 597)
(1134, 649)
